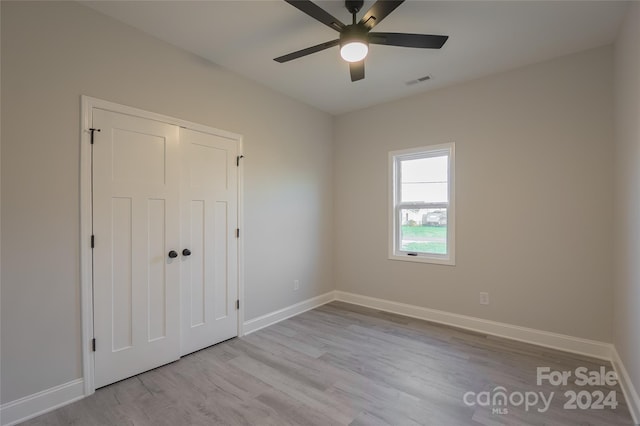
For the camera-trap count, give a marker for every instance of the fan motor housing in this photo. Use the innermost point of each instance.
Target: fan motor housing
(353, 6)
(355, 32)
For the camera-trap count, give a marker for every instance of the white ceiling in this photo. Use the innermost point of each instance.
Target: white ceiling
(484, 38)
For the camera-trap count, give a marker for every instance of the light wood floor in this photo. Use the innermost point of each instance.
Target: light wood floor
(342, 365)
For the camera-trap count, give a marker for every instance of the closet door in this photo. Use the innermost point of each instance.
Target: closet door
(136, 223)
(209, 220)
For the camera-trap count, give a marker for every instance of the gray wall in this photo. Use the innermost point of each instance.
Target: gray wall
(627, 184)
(534, 173)
(54, 52)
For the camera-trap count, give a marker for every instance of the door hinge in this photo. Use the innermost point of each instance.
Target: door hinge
(238, 160)
(93, 241)
(92, 130)
(238, 304)
(237, 232)
(93, 344)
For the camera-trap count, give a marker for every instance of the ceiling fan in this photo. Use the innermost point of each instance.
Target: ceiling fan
(355, 38)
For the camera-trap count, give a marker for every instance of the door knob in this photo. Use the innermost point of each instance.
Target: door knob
(173, 254)
(186, 252)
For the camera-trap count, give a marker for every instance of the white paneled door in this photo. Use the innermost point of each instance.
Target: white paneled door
(136, 186)
(209, 222)
(165, 255)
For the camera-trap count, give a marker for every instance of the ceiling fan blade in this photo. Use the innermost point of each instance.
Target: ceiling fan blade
(307, 51)
(357, 70)
(378, 12)
(424, 41)
(317, 13)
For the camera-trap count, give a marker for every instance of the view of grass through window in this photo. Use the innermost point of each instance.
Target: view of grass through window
(424, 230)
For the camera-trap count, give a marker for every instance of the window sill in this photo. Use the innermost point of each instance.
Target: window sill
(423, 259)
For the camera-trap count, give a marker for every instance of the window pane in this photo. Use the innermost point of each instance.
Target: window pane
(424, 180)
(423, 231)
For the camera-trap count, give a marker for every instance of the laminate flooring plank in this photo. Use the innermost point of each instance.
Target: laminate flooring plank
(293, 343)
(334, 409)
(296, 413)
(367, 419)
(295, 366)
(229, 379)
(396, 409)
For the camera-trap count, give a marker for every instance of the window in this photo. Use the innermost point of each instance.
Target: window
(422, 221)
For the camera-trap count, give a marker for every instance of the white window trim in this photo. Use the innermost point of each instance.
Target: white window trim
(394, 157)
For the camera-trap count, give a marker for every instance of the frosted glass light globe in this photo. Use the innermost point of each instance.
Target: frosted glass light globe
(354, 51)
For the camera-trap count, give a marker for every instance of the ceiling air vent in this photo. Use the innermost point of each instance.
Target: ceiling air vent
(418, 80)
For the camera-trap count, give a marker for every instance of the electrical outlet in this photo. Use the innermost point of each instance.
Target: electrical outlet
(484, 298)
(296, 285)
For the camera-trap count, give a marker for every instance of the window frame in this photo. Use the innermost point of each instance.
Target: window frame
(395, 206)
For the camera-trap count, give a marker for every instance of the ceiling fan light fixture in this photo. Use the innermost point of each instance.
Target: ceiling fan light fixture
(354, 43)
(354, 51)
(355, 38)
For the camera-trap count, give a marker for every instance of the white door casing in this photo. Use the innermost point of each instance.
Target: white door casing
(209, 275)
(136, 186)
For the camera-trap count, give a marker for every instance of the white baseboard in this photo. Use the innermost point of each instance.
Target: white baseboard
(39, 403)
(34, 405)
(592, 348)
(271, 318)
(630, 393)
(547, 339)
